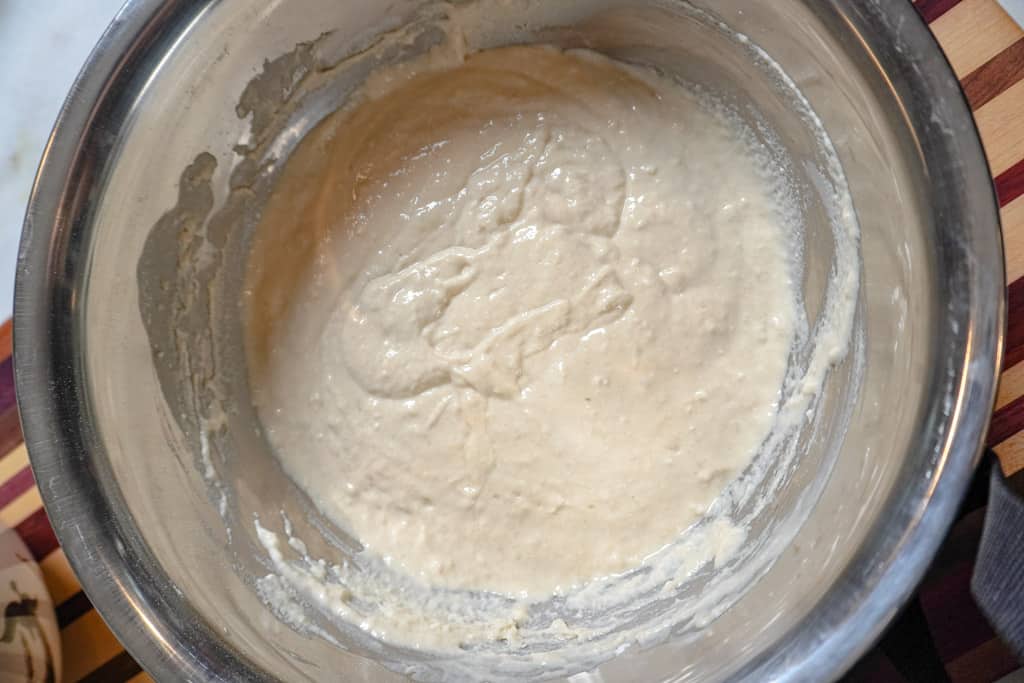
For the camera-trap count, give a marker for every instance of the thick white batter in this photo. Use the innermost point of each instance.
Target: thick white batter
(516, 322)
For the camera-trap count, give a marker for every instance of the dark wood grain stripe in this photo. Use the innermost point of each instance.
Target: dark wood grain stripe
(116, 670)
(995, 76)
(955, 623)
(1009, 419)
(38, 534)
(73, 608)
(874, 667)
(909, 646)
(6, 336)
(10, 425)
(930, 10)
(961, 543)
(977, 494)
(10, 431)
(1006, 422)
(16, 485)
(1015, 324)
(6, 383)
(1010, 183)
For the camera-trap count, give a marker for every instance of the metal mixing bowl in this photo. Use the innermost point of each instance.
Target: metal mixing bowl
(116, 460)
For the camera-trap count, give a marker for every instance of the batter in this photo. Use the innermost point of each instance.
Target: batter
(515, 321)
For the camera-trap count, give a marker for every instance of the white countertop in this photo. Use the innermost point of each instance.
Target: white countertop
(1015, 8)
(43, 43)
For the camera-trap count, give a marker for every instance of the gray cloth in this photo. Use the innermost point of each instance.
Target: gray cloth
(998, 581)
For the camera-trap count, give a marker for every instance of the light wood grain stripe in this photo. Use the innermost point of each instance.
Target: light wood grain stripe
(1011, 385)
(973, 33)
(11, 463)
(60, 579)
(1011, 453)
(21, 508)
(1001, 130)
(87, 644)
(1013, 238)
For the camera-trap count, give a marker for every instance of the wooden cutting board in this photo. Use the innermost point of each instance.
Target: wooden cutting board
(986, 50)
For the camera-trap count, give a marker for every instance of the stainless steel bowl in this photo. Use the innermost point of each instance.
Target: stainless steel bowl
(114, 456)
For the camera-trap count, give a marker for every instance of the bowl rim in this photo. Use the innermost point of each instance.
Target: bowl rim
(132, 594)
(171, 642)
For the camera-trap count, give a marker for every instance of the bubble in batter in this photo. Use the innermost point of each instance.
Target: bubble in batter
(516, 322)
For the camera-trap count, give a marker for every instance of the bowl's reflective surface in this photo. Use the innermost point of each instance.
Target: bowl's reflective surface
(119, 478)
